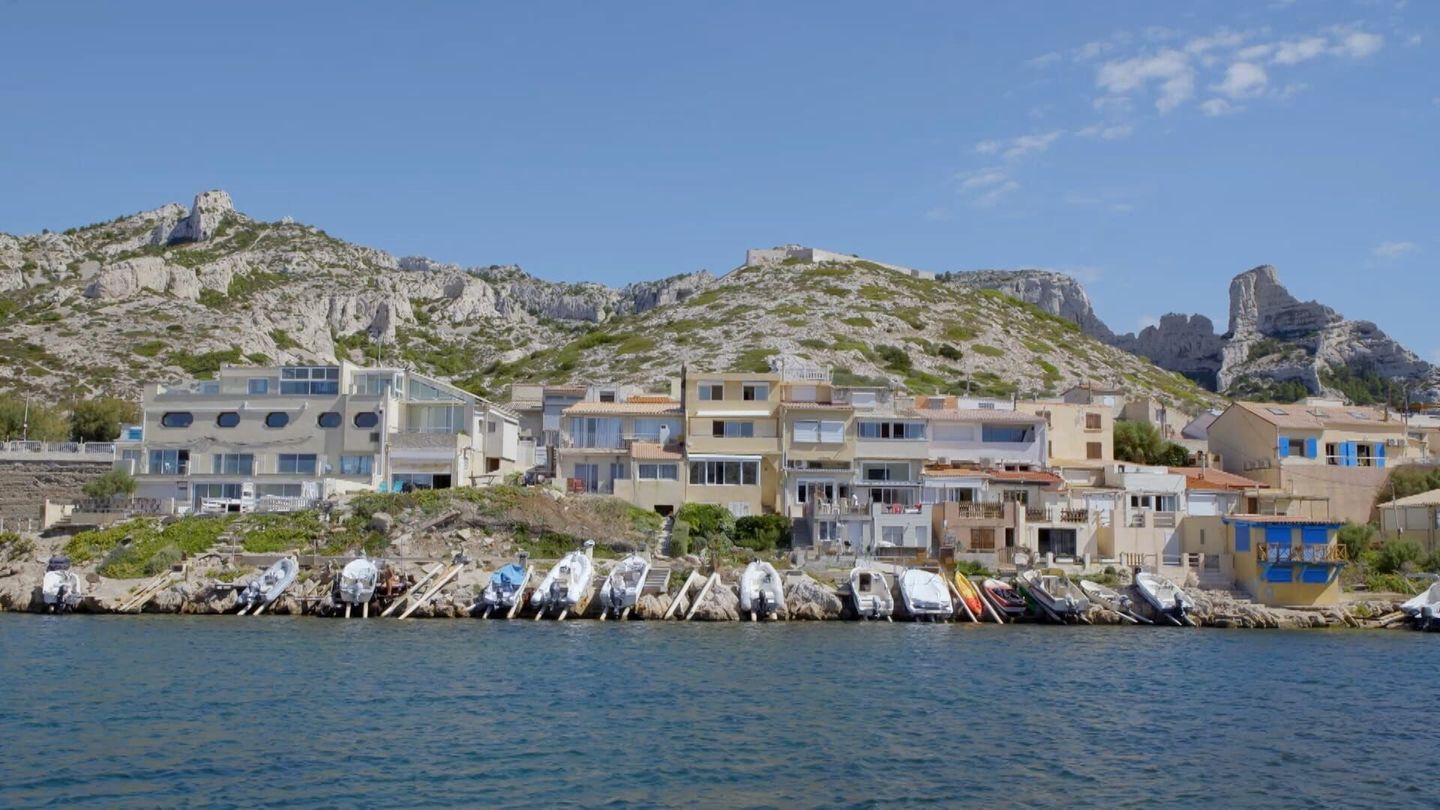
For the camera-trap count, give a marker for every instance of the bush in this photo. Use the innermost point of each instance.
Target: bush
(115, 482)
(1356, 538)
(680, 539)
(1395, 556)
(1140, 443)
(13, 547)
(761, 532)
(709, 523)
(970, 568)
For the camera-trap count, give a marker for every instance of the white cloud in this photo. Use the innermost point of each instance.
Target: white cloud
(1255, 53)
(1413, 40)
(1217, 107)
(1169, 68)
(993, 196)
(1395, 250)
(985, 187)
(1016, 148)
(981, 178)
(1243, 80)
(1293, 52)
(1092, 50)
(1359, 44)
(940, 214)
(1106, 132)
(1224, 39)
(1044, 60)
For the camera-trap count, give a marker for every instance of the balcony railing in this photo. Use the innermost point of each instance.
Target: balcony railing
(980, 511)
(85, 449)
(1300, 553)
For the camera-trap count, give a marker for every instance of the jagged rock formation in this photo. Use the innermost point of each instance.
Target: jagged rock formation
(1056, 293)
(1185, 344)
(204, 219)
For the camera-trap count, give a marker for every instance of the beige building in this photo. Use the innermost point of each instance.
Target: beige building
(1416, 517)
(732, 440)
(632, 449)
(294, 434)
(1078, 435)
(1314, 448)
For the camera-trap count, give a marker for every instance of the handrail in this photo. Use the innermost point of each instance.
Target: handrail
(1300, 552)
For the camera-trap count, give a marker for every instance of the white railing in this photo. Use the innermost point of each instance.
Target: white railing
(93, 449)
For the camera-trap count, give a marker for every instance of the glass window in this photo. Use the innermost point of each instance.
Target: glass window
(619, 471)
(1009, 434)
(329, 419)
(357, 465)
(712, 391)
(277, 419)
(258, 385)
(278, 490)
(232, 464)
(807, 431)
(733, 430)
(890, 430)
(310, 381)
(755, 392)
(177, 419)
(227, 419)
(169, 462)
(367, 419)
(296, 464)
(725, 473)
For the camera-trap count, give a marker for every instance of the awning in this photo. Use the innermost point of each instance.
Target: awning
(719, 457)
(754, 413)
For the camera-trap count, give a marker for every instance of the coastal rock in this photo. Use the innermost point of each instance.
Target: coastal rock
(721, 604)
(205, 216)
(1056, 293)
(652, 606)
(808, 600)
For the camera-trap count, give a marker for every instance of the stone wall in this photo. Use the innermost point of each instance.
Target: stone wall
(24, 485)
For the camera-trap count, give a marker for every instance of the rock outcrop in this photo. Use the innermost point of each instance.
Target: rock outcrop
(808, 600)
(1056, 293)
(1186, 344)
(205, 216)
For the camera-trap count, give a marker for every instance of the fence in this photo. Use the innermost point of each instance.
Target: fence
(90, 450)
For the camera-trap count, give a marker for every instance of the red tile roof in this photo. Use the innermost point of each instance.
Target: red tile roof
(1213, 480)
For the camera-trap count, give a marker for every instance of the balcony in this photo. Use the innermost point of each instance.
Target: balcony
(1320, 553)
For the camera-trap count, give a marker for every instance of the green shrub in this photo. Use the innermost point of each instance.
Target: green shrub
(709, 523)
(679, 539)
(949, 352)
(895, 358)
(149, 348)
(1397, 555)
(99, 420)
(987, 351)
(13, 547)
(761, 532)
(283, 340)
(970, 568)
(1356, 538)
(112, 483)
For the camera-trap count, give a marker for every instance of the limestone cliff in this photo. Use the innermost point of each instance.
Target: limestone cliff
(1056, 293)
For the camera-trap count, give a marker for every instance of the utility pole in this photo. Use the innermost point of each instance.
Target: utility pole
(25, 422)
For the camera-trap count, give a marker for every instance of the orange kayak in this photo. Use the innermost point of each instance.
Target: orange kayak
(969, 595)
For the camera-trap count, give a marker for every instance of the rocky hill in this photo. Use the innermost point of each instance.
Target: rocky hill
(172, 293)
(1276, 346)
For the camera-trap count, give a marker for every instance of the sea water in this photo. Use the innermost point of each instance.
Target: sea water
(280, 712)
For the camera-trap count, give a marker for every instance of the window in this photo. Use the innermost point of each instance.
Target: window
(1005, 434)
(278, 490)
(596, 432)
(177, 419)
(607, 396)
(169, 462)
(227, 419)
(987, 406)
(366, 419)
(829, 531)
(712, 391)
(892, 535)
(1332, 454)
(375, 385)
(357, 465)
(1094, 450)
(491, 426)
(890, 430)
(329, 419)
(434, 419)
(229, 492)
(257, 385)
(1297, 447)
(232, 464)
(296, 464)
(807, 431)
(755, 392)
(1278, 411)
(619, 471)
(1092, 421)
(277, 419)
(725, 473)
(310, 381)
(733, 430)
(891, 471)
(659, 472)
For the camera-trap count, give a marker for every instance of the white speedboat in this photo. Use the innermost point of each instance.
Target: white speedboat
(357, 583)
(1165, 597)
(925, 595)
(267, 587)
(1111, 599)
(622, 587)
(870, 594)
(505, 588)
(61, 587)
(566, 583)
(762, 593)
(1424, 609)
(1053, 594)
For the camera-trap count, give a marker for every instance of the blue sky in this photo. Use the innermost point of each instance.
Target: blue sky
(1154, 150)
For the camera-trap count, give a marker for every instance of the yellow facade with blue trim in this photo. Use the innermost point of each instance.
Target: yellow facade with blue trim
(1286, 562)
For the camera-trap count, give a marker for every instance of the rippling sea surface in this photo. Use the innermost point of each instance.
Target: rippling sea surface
(274, 711)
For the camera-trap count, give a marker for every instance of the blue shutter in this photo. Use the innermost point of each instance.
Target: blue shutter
(1242, 538)
(1283, 447)
(1312, 447)
(1347, 454)
(1314, 535)
(1379, 454)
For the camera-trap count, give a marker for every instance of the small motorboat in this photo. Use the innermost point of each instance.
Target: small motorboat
(969, 595)
(505, 588)
(267, 587)
(356, 585)
(566, 583)
(623, 586)
(60, 587)
(1165, 597)
(1423, 610)
(925, 595)
(870, 594)
(762, 594)
(1112, 600)
(1053, 595)
(1006, 600)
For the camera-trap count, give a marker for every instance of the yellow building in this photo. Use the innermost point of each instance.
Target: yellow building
(1078, 434)
(1313, 448)
(1286, 561)
(632, 449)
(732, 448)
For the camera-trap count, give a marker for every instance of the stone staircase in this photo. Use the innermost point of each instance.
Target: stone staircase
(656, 581)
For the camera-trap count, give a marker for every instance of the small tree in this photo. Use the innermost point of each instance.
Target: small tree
(45, 424)
(1140, 443)
(761, 532)
(99, 420)
(115, 482)
(709, 523)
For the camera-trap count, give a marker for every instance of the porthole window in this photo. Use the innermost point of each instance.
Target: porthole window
(177, 419)
(330, 419)
(366, 419)
(277, 419)
(227, 419)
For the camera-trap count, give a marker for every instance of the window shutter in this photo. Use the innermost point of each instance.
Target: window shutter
(1283, 447)
(832, 432)
(1380, 454)
(1311, 447)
